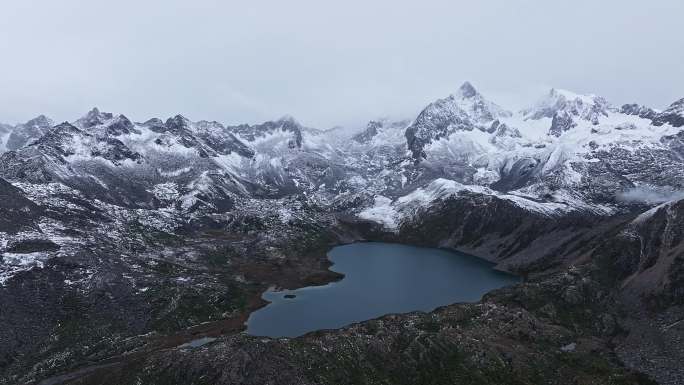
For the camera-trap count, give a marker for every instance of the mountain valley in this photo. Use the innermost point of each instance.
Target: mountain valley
(123, 241)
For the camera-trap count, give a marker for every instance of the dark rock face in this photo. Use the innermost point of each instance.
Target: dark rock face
(120, 126)
(16, 211)
(177, 125)
(468, 91)
(561, 122)
(114, 150)
(642, 165)
(675, 142)
(45, 159)
(33, 169)
(644, 261)
(639, 110)
(517, 239)
(673, 115)
(61, 133)
(368, 134)
(658, 272)
(522, 173)
(32, 246)
(226, 143)
(155, 124)
(433, 123)
(94, 118)
(503, 130)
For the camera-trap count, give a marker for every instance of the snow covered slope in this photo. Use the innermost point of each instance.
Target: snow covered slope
(565, 149)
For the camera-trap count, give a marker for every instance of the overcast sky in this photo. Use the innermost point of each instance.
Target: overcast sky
(324, 63)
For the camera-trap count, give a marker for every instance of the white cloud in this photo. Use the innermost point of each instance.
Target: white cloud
(650, 195)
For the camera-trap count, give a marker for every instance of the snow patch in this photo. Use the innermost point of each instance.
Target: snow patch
(381, 212)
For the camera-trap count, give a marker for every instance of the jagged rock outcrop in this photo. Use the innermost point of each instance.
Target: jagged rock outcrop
(673, 115)
(639, 110)
(371, 130)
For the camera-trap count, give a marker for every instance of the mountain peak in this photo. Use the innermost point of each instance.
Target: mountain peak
(565, 108)
(467, 90)
(559, 99)
(95, 113)
(178, 119)
(40, 121)
(559, 93)
(177, 123)
(463, 111)
(287, 118)
(93, 118)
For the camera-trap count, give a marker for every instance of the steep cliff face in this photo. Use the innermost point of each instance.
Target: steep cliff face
(517, 238)
(659, 274)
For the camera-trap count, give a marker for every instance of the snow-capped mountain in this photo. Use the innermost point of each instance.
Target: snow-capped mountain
(565, 142)
(119, 161)
(465, 110)
(565, 109)
(566, 147)
(110, 157)
(14, 137)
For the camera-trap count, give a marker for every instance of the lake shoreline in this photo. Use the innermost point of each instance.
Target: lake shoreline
(457, 278)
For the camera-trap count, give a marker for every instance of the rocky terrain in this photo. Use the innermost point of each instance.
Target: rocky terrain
(123, 242)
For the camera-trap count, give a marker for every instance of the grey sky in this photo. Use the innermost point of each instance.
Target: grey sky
(327, 63)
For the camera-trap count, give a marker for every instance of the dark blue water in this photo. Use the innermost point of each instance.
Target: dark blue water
(380, 278)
